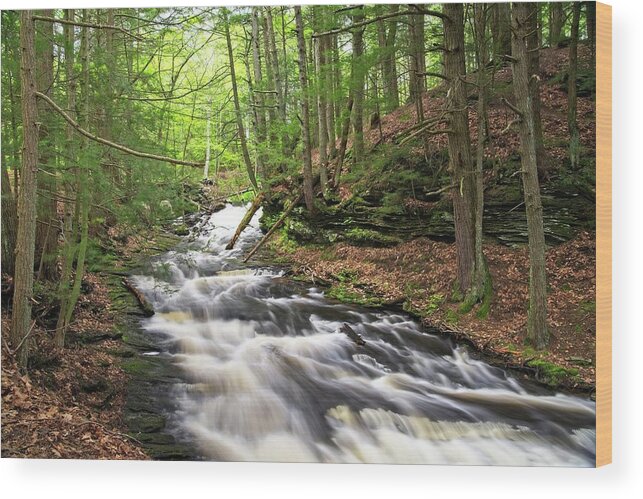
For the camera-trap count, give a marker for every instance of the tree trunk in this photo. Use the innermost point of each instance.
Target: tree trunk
(386, 40)
(258, 97)
(482, 277)
(537, 332)
(208, 112)
(305, 114)
(572, 123)
(237, 107)
(331, 98)
(501, 30)
(417, 64)
(358, 72)
(556, 23)
(343, 141)
(69, 224)
(47, 224)
(460, 160)
(83, 194)
(256, 204)
(270, 99)
(533, 53)
(9, 223)
(279, 87)
(322, 83)
(26, 234)
(590, 12)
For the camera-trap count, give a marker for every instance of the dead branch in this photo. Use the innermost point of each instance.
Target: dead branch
(86, 25)
(108, 143)
(366, 22)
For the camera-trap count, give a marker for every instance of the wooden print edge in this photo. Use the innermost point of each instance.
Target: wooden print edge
(603, 234)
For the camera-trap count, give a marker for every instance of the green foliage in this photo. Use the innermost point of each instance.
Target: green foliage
(435, 302)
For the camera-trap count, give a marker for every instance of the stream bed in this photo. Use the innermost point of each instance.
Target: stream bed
(262, 372)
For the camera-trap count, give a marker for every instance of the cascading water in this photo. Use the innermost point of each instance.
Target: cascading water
(269, 377)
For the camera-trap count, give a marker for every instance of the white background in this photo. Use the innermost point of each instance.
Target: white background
(52, 479)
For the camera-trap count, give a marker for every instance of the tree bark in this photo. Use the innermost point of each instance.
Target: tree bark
(482, 277)
(358, 72)
(386, 40)
(590, 12)
(83, 193)
(343, 141)
(47, 228)
(459, 146)
(417, 64)
(305, 113)
(26, 234)
(501, 29)
(537, 331)
(572, 122)
(322, 118)
(9, 223)
(258, 97)
(69, 224)
(331, 98)
(533, 53)
(256, 204)
(237, 108)
(556, 23)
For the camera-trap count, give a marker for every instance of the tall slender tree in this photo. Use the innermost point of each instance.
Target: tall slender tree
(26, 234)
(237, 105)
(572, 121)
(537, 329)
(305, 112)
(358, 74)
(461, 168)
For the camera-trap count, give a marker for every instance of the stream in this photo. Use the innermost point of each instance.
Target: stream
(266, 374)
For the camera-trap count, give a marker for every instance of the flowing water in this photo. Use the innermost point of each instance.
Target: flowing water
(268, 376)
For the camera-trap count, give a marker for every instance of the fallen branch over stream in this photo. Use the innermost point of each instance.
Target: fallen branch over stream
(246, 219)
(143, 303)
(277, 224)
(352, 334)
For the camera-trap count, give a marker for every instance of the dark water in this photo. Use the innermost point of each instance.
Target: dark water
(268, 377)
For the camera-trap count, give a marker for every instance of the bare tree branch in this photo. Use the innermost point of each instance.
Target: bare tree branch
(87, 25)
(414, 12)
(113, 145)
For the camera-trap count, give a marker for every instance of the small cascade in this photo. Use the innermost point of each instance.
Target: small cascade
(267, 376)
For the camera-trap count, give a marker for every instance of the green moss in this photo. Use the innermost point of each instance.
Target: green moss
(347, 275)
(587, 307)
(181, 230)
(485, 305)
(551, 373)
(367, 237)
(136, 366)
(451, 317)
(511, 347)
(344, 293)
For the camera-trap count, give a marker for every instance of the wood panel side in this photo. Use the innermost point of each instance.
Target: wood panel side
(603, 234)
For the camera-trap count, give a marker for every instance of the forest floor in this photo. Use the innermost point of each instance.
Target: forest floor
(70, 404)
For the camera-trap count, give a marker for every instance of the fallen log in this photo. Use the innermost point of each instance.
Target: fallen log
(277, 224)
(352, 334)
(143, 303)
(246, 219)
